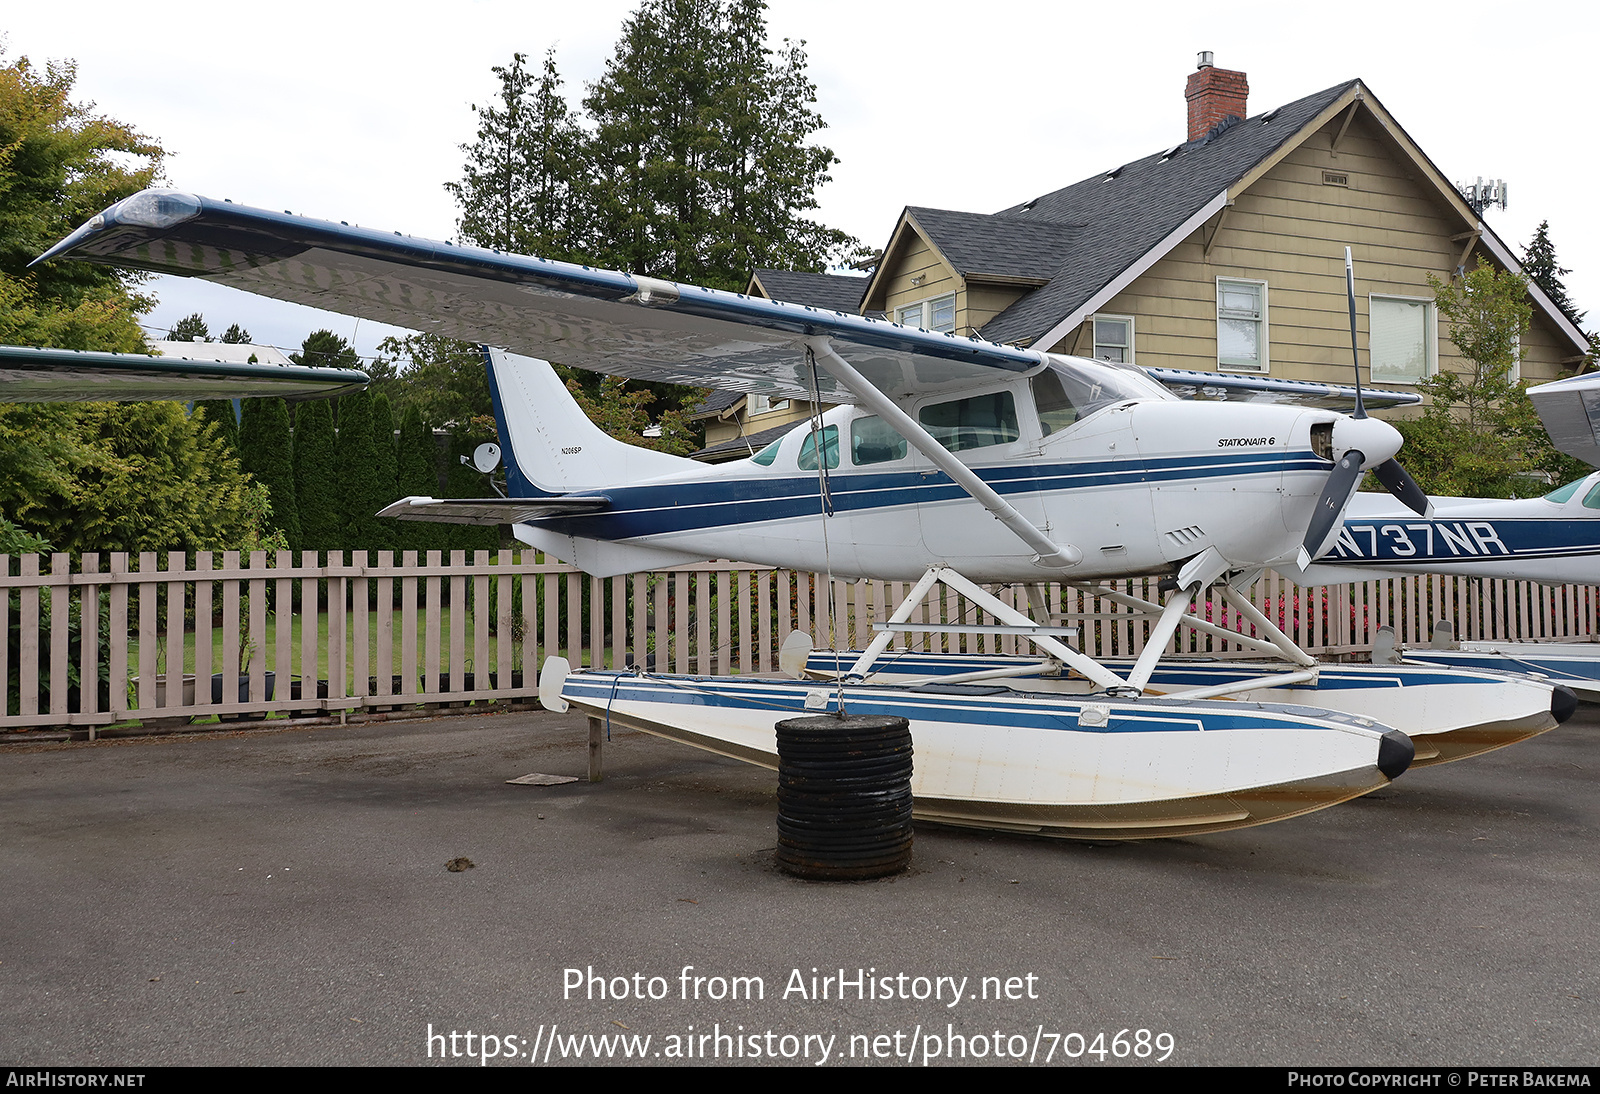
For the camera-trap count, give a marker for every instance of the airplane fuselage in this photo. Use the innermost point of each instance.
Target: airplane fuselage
(1137, 485)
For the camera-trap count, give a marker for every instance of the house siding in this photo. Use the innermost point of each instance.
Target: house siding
(1290, 229)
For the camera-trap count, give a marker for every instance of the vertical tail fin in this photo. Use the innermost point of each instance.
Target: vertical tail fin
(550, 447)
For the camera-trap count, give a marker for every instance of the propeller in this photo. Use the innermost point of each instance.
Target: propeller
(1364, 435)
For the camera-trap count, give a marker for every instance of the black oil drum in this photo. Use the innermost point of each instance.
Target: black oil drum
(844, 796)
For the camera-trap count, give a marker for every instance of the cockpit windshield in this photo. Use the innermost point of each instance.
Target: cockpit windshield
(1562, 494)
(1068, 390)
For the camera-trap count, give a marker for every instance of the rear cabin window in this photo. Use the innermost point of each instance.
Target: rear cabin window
(977, 422)
(873, 441)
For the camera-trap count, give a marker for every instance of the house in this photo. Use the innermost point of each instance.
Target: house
(1223, 252)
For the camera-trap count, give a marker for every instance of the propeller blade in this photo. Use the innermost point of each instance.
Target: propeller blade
(1399, 482)
(1355, 354)
(1342, 483)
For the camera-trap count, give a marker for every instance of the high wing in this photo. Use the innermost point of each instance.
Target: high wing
(74, 376)
(624, 324)
(1570, 410)
(1234, 387)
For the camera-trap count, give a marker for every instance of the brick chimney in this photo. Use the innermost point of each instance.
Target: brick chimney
(1214, 94)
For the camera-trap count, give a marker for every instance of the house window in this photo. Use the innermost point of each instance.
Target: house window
(938, 314)
(764, 404)
(1113, 338)
(1403, 342)
(1242, 325)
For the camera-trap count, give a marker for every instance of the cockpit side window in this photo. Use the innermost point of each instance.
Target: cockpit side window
(873, 441)
(767, 454)
(1591, 500)
(977, 422)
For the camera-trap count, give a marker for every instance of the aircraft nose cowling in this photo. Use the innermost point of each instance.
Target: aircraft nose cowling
(1395, 753)
(1376, 441)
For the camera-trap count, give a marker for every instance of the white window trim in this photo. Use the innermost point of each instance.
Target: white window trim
(1094, 345)
(764, 404)
(1265, 365)
(925, 305)
(1430, 332)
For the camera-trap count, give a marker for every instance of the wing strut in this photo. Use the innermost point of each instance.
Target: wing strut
(1047, 552)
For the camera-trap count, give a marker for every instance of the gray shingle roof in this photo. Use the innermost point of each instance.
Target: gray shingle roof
(1082, 236)
(715, 402)
(981, 244)
(836, 292)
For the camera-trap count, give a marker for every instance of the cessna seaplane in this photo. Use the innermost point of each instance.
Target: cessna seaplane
(947, 460)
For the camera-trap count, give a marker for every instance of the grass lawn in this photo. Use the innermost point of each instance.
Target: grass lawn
(372, 669)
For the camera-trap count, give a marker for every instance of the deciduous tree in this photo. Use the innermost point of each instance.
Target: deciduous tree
(1480, 436)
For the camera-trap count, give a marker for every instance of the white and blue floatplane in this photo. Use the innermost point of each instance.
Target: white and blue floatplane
(949, 460)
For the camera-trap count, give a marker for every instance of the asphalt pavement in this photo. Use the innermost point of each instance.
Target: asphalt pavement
(283, 896)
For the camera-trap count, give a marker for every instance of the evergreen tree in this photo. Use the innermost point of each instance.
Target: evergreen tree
(702, 167)
(383, 443)
(1539, 261)
(191, 328)
(265, 453)
(418, 470)
(221, 413)
(145, 477)
(524, 185)
(315, 477)
(356, 457)
(236, 335)
(324, 349)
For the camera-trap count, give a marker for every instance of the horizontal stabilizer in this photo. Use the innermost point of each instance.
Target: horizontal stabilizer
(487, 511)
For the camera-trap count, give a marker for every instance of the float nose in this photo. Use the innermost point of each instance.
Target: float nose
(1563, 703)
(1395, 753)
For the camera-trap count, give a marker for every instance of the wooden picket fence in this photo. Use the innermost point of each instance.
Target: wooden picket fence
(153, 639)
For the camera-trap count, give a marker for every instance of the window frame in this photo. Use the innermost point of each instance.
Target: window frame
(1263, 365)
(1094, 336)
(757, 404)
(1430, 334)
(925, 308)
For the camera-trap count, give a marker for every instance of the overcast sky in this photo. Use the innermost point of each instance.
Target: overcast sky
(356, 111)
